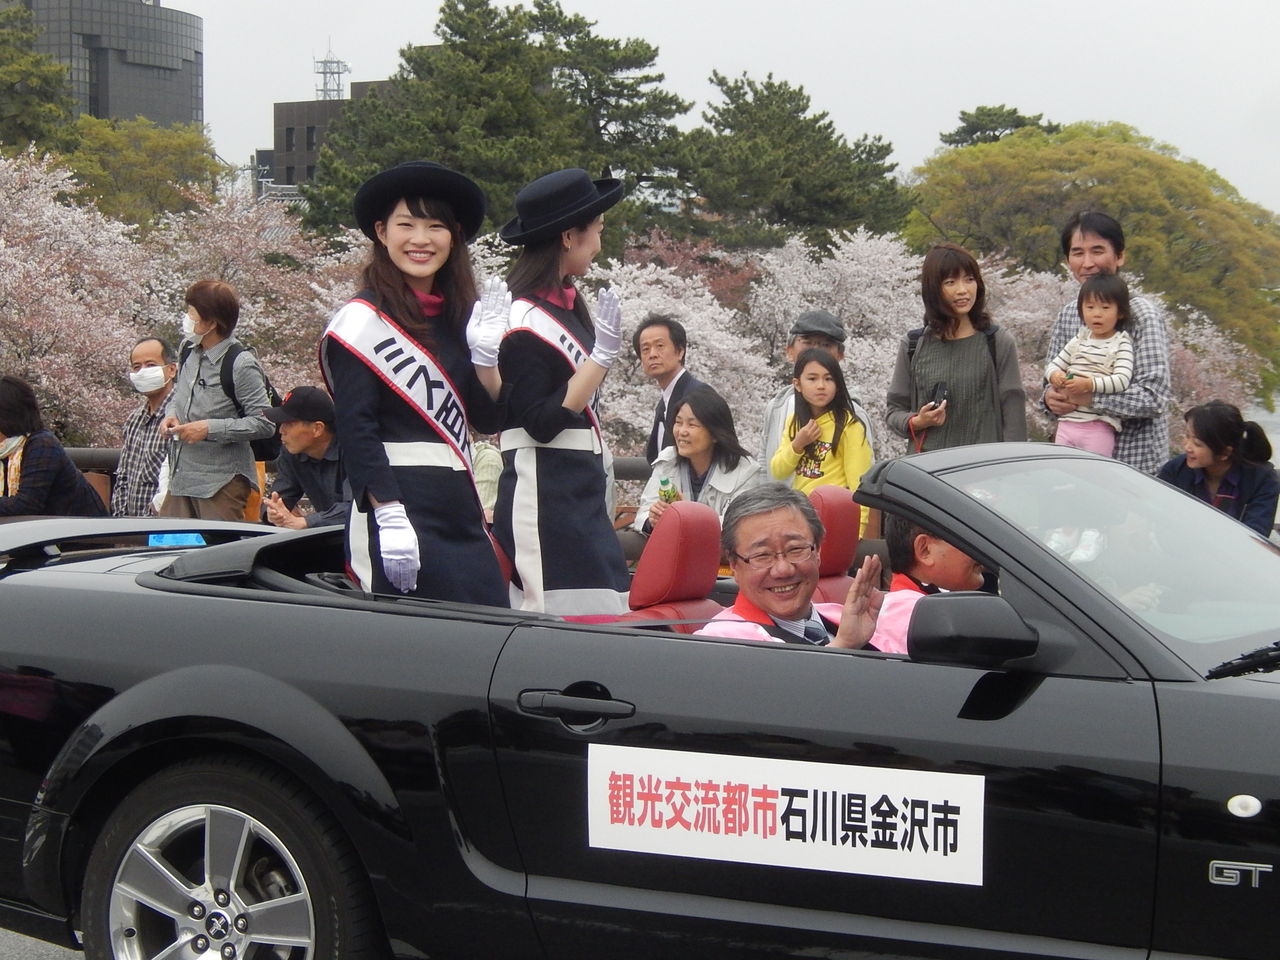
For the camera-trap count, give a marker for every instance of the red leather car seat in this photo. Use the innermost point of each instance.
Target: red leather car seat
(678, 567)
(841, 517)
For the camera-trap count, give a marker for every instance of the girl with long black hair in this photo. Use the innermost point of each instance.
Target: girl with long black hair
(1225, 465)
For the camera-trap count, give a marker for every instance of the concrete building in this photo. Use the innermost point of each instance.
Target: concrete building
(298, 133)
(127, 58)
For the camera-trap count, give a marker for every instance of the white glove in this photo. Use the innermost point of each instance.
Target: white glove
(399, 546)
(488, 322)
(608, 320)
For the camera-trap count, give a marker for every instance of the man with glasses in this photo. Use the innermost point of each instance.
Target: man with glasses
(771, 536)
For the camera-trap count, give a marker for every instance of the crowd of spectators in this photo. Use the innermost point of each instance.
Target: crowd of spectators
(530, 361)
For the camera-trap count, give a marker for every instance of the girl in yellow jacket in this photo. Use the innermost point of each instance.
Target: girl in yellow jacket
(823, 443)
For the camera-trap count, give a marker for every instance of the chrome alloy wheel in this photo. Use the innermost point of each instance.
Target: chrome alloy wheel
(209, 880)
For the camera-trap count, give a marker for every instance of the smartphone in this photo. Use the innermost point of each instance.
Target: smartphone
(940, 393)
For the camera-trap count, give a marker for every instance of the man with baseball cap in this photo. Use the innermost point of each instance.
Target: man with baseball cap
(813, 329)
(310, 462)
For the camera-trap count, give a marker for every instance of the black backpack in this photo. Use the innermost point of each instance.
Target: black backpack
(264, 448)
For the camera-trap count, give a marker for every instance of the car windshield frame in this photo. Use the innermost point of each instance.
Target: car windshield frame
(1202, 583)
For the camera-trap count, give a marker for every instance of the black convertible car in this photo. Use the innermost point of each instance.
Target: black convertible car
(224, 750)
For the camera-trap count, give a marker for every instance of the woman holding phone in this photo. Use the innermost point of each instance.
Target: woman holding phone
(956, 380)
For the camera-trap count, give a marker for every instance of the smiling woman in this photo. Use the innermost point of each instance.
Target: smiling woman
(706, 464)
(555, 356)
(956, 379)
(396, 360)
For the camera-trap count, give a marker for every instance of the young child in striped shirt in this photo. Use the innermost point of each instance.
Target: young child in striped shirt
(1098, 360)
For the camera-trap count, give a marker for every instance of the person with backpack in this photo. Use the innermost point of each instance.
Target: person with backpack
(210, 428)
(956, 380)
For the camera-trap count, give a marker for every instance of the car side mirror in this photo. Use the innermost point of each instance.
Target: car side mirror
(971, 628)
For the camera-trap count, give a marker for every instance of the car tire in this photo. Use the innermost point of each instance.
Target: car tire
(282, 883)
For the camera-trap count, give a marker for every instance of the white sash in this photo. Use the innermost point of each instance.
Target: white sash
(406, 368)
(532, 318)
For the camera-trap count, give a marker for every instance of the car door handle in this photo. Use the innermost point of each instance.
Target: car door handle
(553, 703)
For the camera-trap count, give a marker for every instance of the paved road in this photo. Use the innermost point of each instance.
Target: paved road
(14, 947)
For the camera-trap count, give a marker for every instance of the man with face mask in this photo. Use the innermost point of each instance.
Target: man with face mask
(152, 366)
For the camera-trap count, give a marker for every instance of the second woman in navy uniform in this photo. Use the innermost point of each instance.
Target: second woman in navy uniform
(551, 515)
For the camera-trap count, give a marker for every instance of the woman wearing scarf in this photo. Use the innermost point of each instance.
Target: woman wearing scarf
(36, 475)
(550, 516)
(409, 374)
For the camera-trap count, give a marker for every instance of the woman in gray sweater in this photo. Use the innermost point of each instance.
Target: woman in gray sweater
(956, 379)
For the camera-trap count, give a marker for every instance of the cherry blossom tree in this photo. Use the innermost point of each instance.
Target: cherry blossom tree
(870, 282)
(289, 283)
(719, 353)
(1207, 363)
(728, 275)
(73, 290)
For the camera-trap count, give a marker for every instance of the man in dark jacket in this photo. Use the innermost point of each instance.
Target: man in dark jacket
(660, 343)
(310, 463)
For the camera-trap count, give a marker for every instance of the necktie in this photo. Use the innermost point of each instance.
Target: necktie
(656, 439)
(816, 634)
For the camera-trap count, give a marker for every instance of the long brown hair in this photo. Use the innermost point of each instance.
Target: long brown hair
(537, 270)
(455, 280)
(944, 261)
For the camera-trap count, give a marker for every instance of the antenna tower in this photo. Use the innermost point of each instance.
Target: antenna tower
(330, 71)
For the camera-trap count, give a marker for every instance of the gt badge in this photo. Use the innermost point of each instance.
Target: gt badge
(1229, 873)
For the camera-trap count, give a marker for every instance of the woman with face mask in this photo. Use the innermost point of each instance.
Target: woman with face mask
(211, 464)
(36, 475)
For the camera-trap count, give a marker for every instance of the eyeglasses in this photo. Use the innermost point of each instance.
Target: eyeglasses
(795, 554)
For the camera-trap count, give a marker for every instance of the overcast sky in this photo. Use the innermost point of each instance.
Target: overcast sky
(1201, 76)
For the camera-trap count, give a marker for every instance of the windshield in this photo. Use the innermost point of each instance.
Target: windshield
(1205, 583)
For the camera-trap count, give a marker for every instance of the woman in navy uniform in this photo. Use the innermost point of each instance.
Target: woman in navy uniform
(550, 516)
(409, 372)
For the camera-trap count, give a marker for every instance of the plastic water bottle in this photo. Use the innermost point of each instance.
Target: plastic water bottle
(666, 492)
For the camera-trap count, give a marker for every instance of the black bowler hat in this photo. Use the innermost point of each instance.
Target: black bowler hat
(419, 178)
(556, 202)
(307, 404)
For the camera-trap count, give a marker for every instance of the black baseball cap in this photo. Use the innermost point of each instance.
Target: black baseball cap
(307, 404)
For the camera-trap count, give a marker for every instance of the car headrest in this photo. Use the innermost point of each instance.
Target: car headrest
(681, 559)
(841, 517)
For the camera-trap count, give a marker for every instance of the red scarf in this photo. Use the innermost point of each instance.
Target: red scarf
(901, 581)
(747, 610)
(432, 303)
(564, 298)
